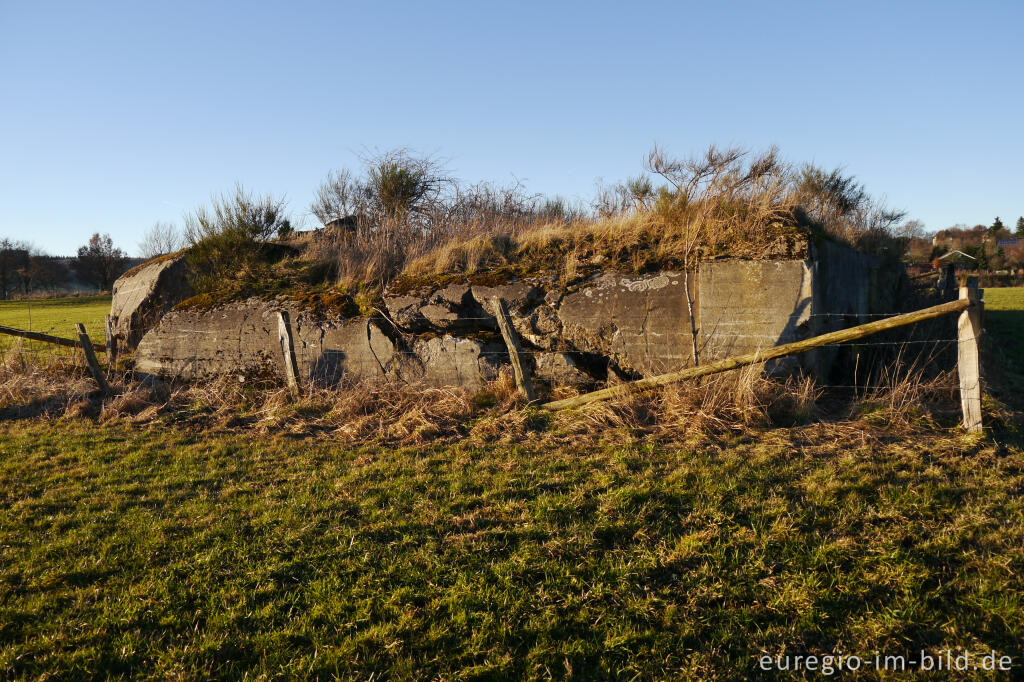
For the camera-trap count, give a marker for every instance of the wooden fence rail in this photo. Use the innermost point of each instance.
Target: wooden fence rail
(83, 341)
(969, 332)
(45, 338)
(970, 305)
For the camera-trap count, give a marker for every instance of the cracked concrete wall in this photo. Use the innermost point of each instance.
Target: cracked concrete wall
(242, 338)
(609, 327)
(642, 324)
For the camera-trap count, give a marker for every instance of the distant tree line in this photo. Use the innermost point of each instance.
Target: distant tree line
(992, 247)
(25, 270)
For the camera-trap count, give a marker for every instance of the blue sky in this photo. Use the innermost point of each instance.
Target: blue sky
(116, 115)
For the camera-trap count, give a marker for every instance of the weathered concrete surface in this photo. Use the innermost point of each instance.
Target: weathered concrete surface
(611, 326)
(451, 361)
(540, 327)
(849, 288)
(242, 338)
(559, 369)
(641, 324)
(235, 338)
(144, 294)
(448, 309)
(354, 350)
(746, 306)
(520, 296)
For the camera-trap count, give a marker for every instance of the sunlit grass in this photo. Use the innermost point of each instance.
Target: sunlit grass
(174, 554)
(57, 316)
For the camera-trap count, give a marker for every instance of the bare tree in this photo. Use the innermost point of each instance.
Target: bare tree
(99, 262)
(160, 239)
(14, 257)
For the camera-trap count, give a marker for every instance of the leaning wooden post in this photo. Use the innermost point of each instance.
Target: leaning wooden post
(515, 352)
(111, 343)
(90, 358)
(968, 364)
(291, 370)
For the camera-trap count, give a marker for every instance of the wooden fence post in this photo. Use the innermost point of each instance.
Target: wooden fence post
(291, 370)
(968, 364)
(111, 344)
(515, 352)
(90, 358)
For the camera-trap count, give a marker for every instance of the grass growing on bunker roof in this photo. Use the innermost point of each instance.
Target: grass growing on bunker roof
(725, 202)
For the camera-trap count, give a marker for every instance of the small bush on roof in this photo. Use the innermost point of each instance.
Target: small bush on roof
(226, 240)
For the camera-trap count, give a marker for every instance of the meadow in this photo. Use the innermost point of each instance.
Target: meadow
(57, 316)
(190, 549)
(173, 554)
(1004, 321)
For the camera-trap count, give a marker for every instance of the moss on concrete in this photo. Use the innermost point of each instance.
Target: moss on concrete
(154, 261)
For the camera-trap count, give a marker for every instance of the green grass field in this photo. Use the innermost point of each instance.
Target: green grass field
(1004, 320)
(57, 316)
(170, 554)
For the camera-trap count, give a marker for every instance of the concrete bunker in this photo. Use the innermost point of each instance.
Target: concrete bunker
(606, 327)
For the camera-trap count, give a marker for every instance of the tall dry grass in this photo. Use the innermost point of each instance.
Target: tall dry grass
(901, 402)
(40, 384)
(723, 202)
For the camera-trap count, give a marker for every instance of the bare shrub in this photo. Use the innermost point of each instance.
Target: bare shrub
(405, 206)
(225, 239)
(841, 206)
(631, 195)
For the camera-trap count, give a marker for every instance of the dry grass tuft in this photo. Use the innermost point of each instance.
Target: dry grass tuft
(34, 385)
(905, 401)
(727, 402)
(898, 402)
(139, 401)
(405, 414)
(723, 202)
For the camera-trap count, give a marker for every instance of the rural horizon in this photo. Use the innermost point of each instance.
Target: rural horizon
(549, 341)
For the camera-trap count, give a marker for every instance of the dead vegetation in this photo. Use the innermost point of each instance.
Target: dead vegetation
(405, 215)
(742, 402)
(725, 202)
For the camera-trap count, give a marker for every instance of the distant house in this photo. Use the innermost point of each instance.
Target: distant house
(959, 259)
(1009, 242)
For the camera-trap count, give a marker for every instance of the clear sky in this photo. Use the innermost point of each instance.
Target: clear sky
(115, 115)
